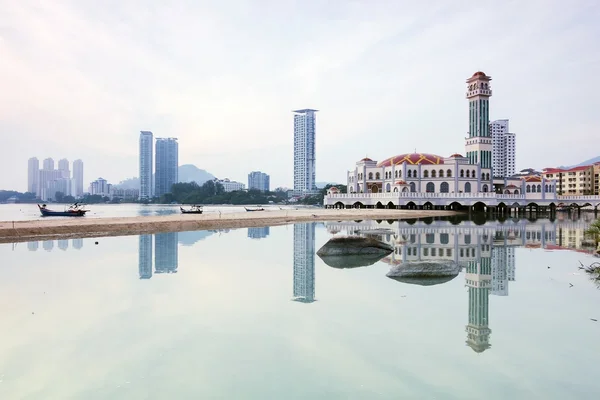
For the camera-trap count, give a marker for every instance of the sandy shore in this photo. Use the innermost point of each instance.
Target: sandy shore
(49, 228)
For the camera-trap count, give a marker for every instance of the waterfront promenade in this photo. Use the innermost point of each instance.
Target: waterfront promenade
(56, 228)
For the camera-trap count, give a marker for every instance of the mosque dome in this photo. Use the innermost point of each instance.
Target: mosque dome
(412, 159)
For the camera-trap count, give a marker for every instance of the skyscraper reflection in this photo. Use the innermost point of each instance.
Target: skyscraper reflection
(165, 256)
(48, 245)
(77, 244)
(33, 246)
(145, 256)
(63, 244)
(304, 262)
(258, 233)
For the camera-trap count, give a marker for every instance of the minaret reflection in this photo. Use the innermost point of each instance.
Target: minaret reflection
(165, 256)
(304, 262)
(478, 279)
(145, 256)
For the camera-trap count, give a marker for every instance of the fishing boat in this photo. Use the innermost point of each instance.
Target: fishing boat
(193, 210)
(75, 210)
(257, 208)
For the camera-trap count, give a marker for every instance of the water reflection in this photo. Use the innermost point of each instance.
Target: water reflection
(304, 262)
(48, 245)
(165, 254)
(485, 253)
(258, 233)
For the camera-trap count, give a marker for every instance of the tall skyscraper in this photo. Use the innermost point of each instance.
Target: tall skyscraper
(146, 163)
(167, 164)
(49, 164)
(304, 151)
(145, 256)
(503, 149)
(33, 175)
(77, 178)
(304, 262)
(259, 181)
(63, 167)
(478, 144)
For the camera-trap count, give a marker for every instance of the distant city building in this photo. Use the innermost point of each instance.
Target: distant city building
(304, 152)
(258, 181)
(45, 191)
(62, 185)
(304, 262)
(597, 178)
(145, 256)
(33, 175)
(503, 149)
(124, 194)
(63, 167)
(77, 184)
(258, 233)
(146, 163)
(167, 163)
(165, 256)
(48, 164)
(576, 181)
(100, 187)
(230, 186)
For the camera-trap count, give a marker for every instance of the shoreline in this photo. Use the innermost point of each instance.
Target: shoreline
(80, 227)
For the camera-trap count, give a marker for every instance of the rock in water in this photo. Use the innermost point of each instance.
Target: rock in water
(425, 273)
(352, 261)
(353, 251)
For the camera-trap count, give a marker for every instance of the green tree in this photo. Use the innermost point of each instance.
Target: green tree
(593, 231)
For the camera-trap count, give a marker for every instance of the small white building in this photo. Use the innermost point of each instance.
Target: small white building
(230, 186)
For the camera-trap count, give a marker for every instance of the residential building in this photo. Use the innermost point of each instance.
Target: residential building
(33, 175)
(100, 187)
(146, 164)
(125, 194)
(230, 186)
(503, 149)
(48, 164)
(258, 181)
(62, 185)
(45, 177)
(77, 184)
(304, 152)
(574, 181)
(597, 178)
(167, 163)
(63, 167)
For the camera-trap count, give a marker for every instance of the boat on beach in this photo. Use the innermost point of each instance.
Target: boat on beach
(75, 210)
(193, 210)
(257, 208)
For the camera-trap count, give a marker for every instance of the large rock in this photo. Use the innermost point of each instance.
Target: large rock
(353, 251)
(352, 261)
(425, 273)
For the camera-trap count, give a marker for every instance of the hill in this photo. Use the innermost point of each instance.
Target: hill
(187, 173)
(587, 162)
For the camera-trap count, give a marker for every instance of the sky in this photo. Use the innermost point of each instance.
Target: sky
(80, 79)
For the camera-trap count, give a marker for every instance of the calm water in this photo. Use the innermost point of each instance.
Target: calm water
(255, 314)
(21, 212)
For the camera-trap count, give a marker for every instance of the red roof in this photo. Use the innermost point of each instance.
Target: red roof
(559, 170)
(512, 187)
(456, 155)
(400, 182)
(532, 178)
(366, 159)
(412, 159)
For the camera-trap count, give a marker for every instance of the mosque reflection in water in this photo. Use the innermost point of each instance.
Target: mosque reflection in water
(485, 253)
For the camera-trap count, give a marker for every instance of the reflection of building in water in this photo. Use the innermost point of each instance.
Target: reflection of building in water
(145, 257)
(304, 262)
(165, 256)
(258, 233)
(478, 279)
(77, 244)
(63, 244)
(33, 246)
(48, 245)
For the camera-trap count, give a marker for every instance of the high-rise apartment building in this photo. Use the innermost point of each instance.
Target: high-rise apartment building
(478, 144)
(576, 181)
(304, 152)
(63, 167)
(146, 163)
(77, 184)
(167, 164)
(503, 149)
(33, 175)
(48, 164)
(258, 181)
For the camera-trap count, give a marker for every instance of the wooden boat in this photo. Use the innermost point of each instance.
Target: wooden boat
(193, 210)
(257, 208)
(73, 211)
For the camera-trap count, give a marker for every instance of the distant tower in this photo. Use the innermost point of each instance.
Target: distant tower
(478, 144)
(33, 175)
(146, 163)
(504, 149)
(77, 178)
(49, 164)
(304, 262)
(63, 167)
(145, 256)
(304, 151)
(167, 163)
(479, 281)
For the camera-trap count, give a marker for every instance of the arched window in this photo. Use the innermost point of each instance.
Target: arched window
(425, 174)
(409, 174)
(467, 187)
(404, 189)
(377, 175)
(528, 189)
(444, 187)
(487, 177)
(396, 174)
(388, 187)
(483, 176)
(441, 175)
(516, 191)
(413, 188)
(415, 175)
(400, 174)
(433, 173)
(444, 238)
(468, 174)
(462, 173)
(507, 191)
(370, 175)
(485, 188)
(396, 189)
(539, 188)
(430, 188)
(449, 173)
